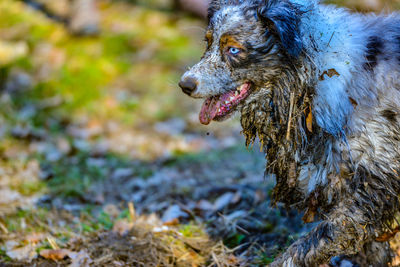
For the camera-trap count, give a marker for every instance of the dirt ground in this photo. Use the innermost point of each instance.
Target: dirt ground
(102, 159)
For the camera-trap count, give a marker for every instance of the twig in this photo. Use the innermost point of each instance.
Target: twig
(52, 243)
(290, 116)
(132, 214)
(331, 39)
(3, 228)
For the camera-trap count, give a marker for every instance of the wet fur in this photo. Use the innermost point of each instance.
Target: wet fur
(326, 108)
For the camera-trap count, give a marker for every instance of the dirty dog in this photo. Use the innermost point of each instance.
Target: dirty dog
(320, 87)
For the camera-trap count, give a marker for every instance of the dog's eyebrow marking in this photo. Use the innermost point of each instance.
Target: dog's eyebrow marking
(374, 48)
(227, 40)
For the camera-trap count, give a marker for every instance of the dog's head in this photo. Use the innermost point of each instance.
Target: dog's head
(249, 44)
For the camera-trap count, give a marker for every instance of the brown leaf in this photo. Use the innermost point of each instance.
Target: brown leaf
(330, 73)
(172, 222)
(35, 237)
(309, 216)
(26, 253)
(122, 227)
(388, 235)
(55, 254)
(309, 120)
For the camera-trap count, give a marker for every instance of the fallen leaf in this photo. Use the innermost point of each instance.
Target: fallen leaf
(388, 235)
(204, 205)
(55, 254)
(223, 201)
(236, 215)
(173, 222)
(309, 121)
(112, 210)
(122, 173)
(35, 237)
(9, 196)
(122, 227)
(80, 259)
(330, 73)
(173, 212)
(26, 253)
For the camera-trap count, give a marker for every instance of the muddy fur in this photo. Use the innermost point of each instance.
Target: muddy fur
(325, 107)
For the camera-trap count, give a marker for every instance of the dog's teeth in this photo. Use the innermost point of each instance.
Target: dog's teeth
(236, 93)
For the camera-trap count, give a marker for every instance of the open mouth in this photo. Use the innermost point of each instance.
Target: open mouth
(220, 106)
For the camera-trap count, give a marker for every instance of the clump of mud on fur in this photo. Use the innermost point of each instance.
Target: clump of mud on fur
(279, 120)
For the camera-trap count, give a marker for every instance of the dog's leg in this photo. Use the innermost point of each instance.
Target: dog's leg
(377, 254)
(343, 233)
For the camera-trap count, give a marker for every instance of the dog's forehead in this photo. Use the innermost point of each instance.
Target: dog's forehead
(226, 19)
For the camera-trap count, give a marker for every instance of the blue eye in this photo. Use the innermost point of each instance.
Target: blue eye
(234, 50)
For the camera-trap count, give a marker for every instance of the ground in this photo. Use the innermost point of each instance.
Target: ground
(102, 159)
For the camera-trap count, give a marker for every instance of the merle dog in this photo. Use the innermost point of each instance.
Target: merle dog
(320, 87)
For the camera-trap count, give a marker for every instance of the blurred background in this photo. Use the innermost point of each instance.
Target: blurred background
(102, 159)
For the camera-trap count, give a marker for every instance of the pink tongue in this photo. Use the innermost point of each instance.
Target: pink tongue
(209, 110)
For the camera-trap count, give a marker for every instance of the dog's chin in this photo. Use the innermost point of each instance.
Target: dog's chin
(222, 107)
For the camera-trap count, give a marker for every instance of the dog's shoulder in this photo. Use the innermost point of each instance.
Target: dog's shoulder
(344, 48)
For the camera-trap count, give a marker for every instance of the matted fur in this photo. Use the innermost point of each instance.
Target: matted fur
(326, 108)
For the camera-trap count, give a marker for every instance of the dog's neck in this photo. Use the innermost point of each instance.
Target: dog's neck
(281, 118)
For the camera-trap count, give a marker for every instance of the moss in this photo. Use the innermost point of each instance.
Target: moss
(192, 230)
(30, 188)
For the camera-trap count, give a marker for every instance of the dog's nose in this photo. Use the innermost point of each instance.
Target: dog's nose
(188, 85)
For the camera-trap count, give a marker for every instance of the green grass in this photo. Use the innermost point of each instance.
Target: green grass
(4, 257)
(234, 240)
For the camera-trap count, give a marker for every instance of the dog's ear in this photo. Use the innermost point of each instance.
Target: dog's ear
(283, 18)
